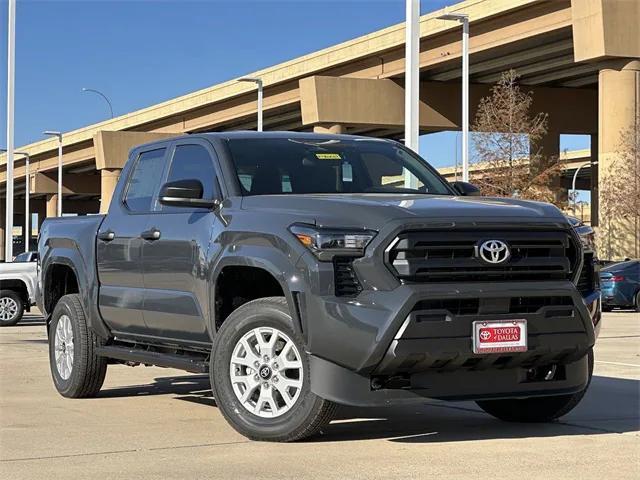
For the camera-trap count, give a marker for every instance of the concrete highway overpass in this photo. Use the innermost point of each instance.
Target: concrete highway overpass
(580, 58)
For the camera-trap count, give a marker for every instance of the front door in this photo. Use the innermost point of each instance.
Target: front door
(175, 265)
(119, 245)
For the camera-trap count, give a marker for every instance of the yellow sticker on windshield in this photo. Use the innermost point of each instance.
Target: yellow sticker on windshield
(328, 156)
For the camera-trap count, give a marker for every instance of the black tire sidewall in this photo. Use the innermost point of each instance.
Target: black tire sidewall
(13, 295)
(64, 386)
(234, 328)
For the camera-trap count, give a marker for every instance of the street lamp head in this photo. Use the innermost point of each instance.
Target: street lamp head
(255, 80)
(53, 133)
(460, 17)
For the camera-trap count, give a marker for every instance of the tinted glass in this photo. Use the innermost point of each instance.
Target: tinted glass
(145, 180)
(194, 162)
(23, 257)
(291, 165)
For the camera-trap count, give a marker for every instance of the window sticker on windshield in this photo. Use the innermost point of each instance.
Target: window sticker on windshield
(328, 156)
(347, 172)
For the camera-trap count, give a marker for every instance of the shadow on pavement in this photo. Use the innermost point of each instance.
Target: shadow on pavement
(189, 387)
(611, 405)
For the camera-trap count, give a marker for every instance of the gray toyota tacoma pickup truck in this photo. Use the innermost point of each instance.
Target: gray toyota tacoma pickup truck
(303, 271)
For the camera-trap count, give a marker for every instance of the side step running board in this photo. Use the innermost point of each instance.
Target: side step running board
(181, 362)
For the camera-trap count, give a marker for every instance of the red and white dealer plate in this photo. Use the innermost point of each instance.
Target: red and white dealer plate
(500, 337)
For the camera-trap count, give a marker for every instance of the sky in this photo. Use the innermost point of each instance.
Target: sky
(139, 53)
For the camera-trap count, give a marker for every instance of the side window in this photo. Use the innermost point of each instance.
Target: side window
(194, 162)
(145, 180)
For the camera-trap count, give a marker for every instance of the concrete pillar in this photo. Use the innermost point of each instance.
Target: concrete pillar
(618, 110)
(336, 129)
(549, 147)
(52, 205)
(108, 181)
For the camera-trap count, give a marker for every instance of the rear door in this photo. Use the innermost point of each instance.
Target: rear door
(119, 244)
(176, 301)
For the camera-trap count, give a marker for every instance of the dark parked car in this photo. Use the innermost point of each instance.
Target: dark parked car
(620, 283)
(304, 271)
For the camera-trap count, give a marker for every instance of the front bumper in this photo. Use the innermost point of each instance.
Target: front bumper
(376, 349)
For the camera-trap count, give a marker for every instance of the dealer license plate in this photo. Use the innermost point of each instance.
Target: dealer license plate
(500, 336)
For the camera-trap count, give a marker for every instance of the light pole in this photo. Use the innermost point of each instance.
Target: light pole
(27, 235)
(52, 133)
(258, 82)
(573, 183)
(464, 19)
(27, 215)
(11, 64)
(102, 95)
(411, 83)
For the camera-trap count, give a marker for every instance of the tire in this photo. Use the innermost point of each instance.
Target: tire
(637, 305)
(80, 374)
(607, 308)
(305, 413)
(11, 308)
(536, 409)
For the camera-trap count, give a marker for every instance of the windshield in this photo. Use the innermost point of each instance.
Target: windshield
(24, 257)
(267, 166)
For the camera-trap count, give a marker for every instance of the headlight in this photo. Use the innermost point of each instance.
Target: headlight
(325, 243)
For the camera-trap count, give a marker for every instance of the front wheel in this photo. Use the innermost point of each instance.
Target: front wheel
(76, 369)
(11, 308)
(637, 305)
(260, 375)
(536, 409)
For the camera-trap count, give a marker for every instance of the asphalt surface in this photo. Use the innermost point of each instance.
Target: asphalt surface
(162, 423)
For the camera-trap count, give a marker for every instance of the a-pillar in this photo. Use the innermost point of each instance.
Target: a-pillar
(336, 129)
(52, 205)
(108, 182)
(618, 112)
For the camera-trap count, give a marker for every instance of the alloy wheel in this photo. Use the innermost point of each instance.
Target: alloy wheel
(266, 372)
(8, 309)
(64, 349)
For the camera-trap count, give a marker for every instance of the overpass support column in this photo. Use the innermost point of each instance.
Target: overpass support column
(108, 182)
(549, 147)
(52, 205)
(618, 112)
(336, 129)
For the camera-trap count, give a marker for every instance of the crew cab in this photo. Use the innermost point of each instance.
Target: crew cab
(303, 271)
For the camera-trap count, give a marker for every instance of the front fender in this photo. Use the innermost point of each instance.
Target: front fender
(279, 264)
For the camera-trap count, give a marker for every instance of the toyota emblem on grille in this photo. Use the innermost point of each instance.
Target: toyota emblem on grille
(493, 251)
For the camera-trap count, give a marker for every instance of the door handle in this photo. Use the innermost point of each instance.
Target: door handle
(151, 234)
(106, 236)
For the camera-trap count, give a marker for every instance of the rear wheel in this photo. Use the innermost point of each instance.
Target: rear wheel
(536, 409)
(637, 305)
(260, 375)
(11, 308)
(76, 369)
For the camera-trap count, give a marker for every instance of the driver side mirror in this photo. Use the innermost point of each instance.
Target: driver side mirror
(185, 193)
(467, 189)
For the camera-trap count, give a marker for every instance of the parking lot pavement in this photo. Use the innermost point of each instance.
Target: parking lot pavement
(162, 423)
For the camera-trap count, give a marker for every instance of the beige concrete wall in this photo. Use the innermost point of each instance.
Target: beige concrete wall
(619, 110)
(605, 28)
(112, 148)
(359, 101)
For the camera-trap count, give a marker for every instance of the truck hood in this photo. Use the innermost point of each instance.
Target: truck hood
(373, 210)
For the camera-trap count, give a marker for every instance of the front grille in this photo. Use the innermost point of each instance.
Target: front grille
(439, 309)
(446, 256)
(586, 283)
(346, 281)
